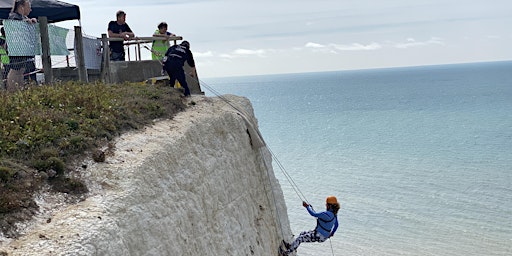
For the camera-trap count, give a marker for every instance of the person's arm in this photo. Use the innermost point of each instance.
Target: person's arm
(129, 31)
(31, 20)
(335, 227)
(17, 16)
(166, 56)
(157, 34)
(313, 213)
(190, 59)
(109, 30)
(124, 35)
(310, 209)
(191, 63)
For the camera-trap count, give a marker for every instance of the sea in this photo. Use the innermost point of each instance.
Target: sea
(420, 158)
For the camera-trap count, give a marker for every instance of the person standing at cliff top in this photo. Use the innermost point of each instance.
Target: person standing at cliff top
(159, 47)
(326, 226)
(19, 64)
(173, 62)
(119, 29)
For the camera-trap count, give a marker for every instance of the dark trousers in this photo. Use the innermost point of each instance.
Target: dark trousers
(175, 71)
(117, 56)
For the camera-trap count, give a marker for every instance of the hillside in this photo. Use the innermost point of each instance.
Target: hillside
(193, 185)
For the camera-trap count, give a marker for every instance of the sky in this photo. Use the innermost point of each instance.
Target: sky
(241, 37)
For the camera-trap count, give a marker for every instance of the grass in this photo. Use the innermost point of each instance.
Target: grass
(45, 130)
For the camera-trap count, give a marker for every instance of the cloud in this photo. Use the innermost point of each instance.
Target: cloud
(357, 47)
(411, 42)
(314, 45)
(204, 54)
(335, 48)
(243, 53)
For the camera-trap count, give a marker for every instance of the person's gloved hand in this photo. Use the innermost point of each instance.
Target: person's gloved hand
(305, 204)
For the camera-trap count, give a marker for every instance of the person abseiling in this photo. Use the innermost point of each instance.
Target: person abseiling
(173, 62)
(326, 225)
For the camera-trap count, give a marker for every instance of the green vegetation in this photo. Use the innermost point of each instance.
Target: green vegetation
(45, 130)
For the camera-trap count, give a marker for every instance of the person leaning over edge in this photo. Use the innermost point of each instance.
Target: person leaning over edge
(20, 11)
(326, 225)
(173, 62)
(119, 29)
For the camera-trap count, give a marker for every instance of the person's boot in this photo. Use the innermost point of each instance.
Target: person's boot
(287, 245)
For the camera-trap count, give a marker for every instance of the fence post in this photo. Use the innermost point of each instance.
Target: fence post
(79, 53)
(105, 68)
(45, 46)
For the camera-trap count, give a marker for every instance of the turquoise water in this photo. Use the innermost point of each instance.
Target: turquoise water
(420, 158)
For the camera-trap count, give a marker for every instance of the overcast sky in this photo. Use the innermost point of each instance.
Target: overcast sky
(241, 37)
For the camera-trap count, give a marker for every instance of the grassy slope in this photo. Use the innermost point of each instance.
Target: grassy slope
(44, 129)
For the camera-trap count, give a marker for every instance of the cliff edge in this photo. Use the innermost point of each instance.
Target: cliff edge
(194, 185)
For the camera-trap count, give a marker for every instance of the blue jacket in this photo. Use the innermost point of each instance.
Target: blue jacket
(326, 223)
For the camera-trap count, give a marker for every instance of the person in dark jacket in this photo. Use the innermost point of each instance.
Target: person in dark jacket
(120, 29)
(173, 62)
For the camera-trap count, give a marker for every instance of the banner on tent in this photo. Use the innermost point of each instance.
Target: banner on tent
(92, 53)
(24, 39)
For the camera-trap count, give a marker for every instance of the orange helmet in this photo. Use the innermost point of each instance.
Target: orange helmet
(331, 200)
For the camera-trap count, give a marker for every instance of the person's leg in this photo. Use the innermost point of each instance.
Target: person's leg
(5, 72)
(304, 237)
(172, 76)
(176, 67)
(15, 79)
(29, 74)
(15, 76)
(180, 75)
(117, 56)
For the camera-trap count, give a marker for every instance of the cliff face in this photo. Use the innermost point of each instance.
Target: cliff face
(193, 185)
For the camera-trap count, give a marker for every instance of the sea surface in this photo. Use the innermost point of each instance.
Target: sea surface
(420, 158)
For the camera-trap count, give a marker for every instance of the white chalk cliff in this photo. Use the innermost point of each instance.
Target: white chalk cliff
(194, 185)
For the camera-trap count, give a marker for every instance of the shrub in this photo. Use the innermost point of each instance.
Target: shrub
(47, 127)
(5, 174)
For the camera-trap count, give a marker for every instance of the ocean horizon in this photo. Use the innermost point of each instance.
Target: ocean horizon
(419, 157)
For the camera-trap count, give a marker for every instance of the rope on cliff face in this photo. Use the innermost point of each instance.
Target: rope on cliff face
(243, 113)
(273, 195)
(290, 180)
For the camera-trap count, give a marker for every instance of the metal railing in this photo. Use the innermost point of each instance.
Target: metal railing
(136, 41)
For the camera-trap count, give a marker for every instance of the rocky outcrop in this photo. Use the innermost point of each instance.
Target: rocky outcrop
(194, 185)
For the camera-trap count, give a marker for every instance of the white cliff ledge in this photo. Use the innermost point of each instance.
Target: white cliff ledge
(193, 185)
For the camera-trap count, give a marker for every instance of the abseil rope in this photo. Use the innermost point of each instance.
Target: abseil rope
(283, 170)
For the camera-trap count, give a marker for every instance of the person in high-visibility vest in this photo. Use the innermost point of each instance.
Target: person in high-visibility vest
(159, 47)
(4, 55)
